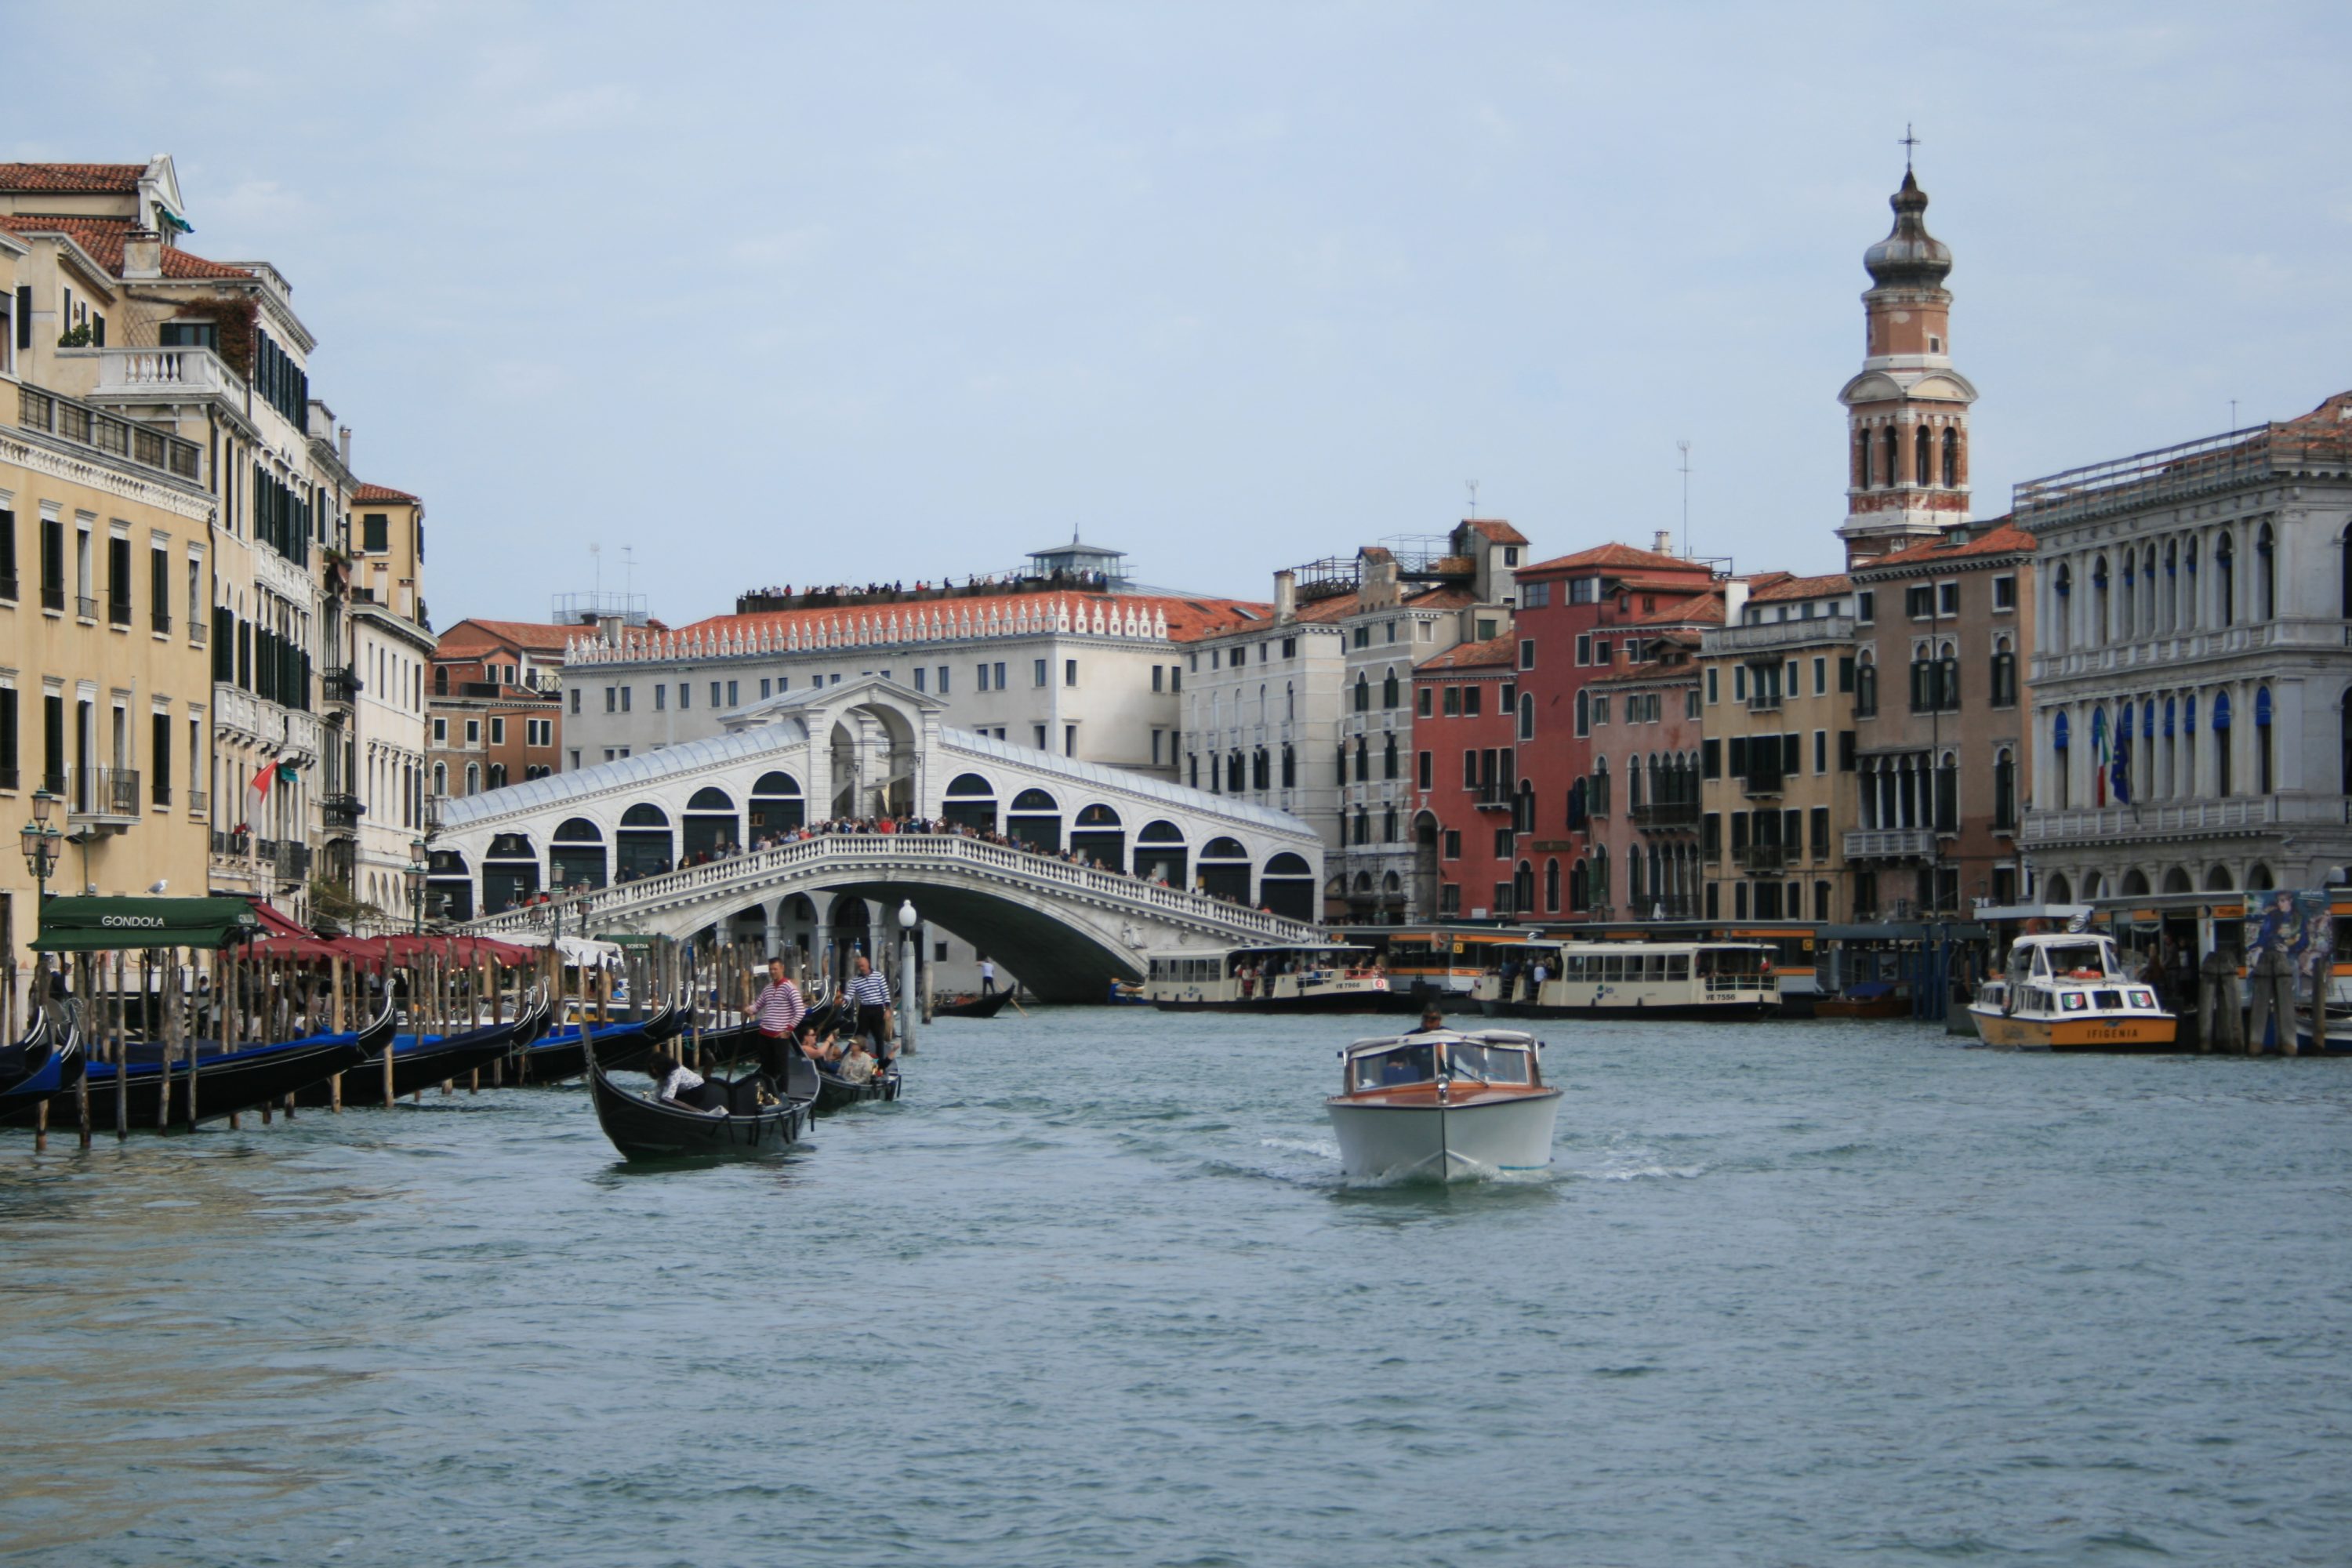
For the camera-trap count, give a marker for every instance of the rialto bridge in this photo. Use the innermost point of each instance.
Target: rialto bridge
(1068, 872)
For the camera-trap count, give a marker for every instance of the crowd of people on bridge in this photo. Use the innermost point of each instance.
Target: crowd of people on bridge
(813, 596)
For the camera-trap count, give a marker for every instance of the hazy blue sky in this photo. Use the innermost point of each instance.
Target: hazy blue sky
(804, 293)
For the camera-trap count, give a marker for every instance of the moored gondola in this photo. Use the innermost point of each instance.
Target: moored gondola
(23, 1060)
(420, 1061)
(562, 1053)
(51, 1063)
(749, 1117)
(982, 1006)
(221, 1084)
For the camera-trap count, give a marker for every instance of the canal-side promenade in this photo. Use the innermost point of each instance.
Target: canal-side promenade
(1794, 1293)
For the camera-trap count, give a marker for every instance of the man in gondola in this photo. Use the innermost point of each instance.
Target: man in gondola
(871, 995)
(777, 1013)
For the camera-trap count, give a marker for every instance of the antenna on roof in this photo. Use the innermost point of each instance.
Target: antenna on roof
(1473, 499)
(1682, 447)
(628, 567)
(596, 554)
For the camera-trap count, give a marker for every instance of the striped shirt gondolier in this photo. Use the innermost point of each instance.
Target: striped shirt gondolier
(779, 1009)
(872, 994)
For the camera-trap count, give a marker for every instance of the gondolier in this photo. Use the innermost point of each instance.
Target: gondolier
(779, 1009)
(871, 995)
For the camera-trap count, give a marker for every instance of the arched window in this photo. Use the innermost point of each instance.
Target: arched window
(2101, 630)
(1363, 692)
(1289, 766)
(2170, 616)
(2059, 629)
(971, 802)
(1035, 818)
(1596, 800)
(1528, 717)
(1948, 793)
(2004, 790)
(1261, 769)
(778, 807)
(2225, 580)
(440, 680)
(2003, 681)
(1389, 689)
(1865, 687)
(1861, 471)
(1888, 449)
(1583, 711)
(1096, 836)
(498, 775)
(1234, 771)
(1551, 886)
(1287, 887)
(2217, 880)
(1363, 760)
(1951, 457)
(576, 857)
(2190, 615)
(2058, 889)
(1160, 854)
(2265, 778)
(472, 778)
(643, 846)
(1924, 459)
(1224, 871)
(2265, 574)
(441, 778)
(1388, 825)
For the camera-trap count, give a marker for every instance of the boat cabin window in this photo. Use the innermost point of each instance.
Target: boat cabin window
(2065, 958)
(1397, 1065)
(1488, 1064)
(1678, 966)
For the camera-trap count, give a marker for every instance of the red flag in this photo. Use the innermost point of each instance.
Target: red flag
(260, 784)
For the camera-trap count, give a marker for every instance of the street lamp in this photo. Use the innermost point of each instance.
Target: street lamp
(42, 845)
(415, 875)
(907, 975)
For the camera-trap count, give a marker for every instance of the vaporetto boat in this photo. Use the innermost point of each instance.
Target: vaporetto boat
(2069, 994)
(1326, 978)
(1444, 1105)
(1623, 979)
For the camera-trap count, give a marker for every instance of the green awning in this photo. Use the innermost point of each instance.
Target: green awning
(626, 938)
(96, 925)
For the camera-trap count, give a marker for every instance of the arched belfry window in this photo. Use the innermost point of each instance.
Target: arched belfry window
(1923, 460)
(1889, 452)
(1862, 482)
(1951, 457)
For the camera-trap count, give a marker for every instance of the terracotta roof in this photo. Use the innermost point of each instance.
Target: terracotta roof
(1494, 529)
(1704, 609)
(1323, 611)
(1442, 598)
(78, 179)
(1805, 588)
(538, 636)
(2003, 538)
(1502, 650)
(1617, 555)
(382, 493)
(1189, 618)
(103, 237)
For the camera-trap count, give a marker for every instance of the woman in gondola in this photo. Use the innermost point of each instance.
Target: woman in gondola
(681, 1086)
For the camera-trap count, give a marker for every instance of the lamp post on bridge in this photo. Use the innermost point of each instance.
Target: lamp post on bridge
(907, 975)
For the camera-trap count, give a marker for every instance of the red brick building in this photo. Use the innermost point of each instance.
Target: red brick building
(496, 712)
(1576, 616)
(1464, 736)
(1642, 797)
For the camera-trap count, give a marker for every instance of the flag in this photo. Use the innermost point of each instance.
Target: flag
(2121, 770)
(261, 781)
(2100, 761)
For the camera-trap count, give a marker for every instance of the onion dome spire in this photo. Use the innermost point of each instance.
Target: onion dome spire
(1909, 257)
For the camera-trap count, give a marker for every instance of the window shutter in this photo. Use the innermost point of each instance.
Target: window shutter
(24, 316)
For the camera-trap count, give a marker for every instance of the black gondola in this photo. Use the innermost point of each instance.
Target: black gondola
(643, 1128)
(221, 1084)
(27, 1056)
(982, 1006)
(559, 1053)
(419, 1062)
(50, 1060)
(838, 1093)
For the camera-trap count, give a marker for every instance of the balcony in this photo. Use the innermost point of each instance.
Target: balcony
(338, 686)
(342, 810)
(291, 860)
(199, 634)
(1666, 814)
(1495, 797)
(1764, 702)
(118, 612)
(63, 419)
(1891, 844)
(103, 797)
(2183, 819)
(1761, 857)
(1755, 784)
(86, 606)
(235, 846)
(164, 374)
(1722, 640)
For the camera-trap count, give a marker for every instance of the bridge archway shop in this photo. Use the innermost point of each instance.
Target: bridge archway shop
(1066, 926)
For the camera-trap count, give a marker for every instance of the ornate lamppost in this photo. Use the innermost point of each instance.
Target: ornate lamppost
(416, 875)
(42, 845)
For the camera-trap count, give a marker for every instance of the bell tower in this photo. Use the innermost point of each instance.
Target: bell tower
(1908, 412)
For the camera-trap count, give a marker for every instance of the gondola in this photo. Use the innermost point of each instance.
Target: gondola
(420, 1061)
(642, 1128)
(50, 1059)
(838, 1093)
(222, 1083)
(559, 1053)
(983, 1006)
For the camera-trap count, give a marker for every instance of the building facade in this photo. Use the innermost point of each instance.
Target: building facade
(378, 816)
(1640, 842)
(1465, 731)
(1776, 765)
(497, 705)
(1940, 718)
(2190, 674)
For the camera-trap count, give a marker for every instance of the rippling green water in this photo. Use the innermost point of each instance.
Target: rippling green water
(1094, 1294)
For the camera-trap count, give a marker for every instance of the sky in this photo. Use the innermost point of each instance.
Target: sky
(689, 298)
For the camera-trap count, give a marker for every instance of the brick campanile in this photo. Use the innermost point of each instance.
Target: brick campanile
(1908, 412)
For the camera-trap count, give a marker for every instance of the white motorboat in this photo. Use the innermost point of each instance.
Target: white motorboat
(1444, 1105)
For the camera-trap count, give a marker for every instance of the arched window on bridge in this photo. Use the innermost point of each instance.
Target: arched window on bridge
(1097, 836)
(970, 803)
(452, 883)
(576, 858)
(710, 825)
(1225, 870)
(510, 872)
(1160, 854)
(643, 844)
(1288, 887)
(778, 807)
(1036, 820)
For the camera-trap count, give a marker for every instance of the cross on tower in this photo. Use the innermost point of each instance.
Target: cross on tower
(1908, 142)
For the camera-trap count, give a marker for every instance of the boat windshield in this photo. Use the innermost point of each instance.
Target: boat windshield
(1487, 1064)
(2067, 958)
(1397, 1065)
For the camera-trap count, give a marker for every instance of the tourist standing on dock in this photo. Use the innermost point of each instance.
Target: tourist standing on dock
(871, 993)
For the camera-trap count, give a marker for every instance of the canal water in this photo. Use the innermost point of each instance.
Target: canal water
(1804, 1294)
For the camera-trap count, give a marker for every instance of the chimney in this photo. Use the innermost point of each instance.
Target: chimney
(344, 443)
(143, 253)
(1734, 599)
(1286, 596)
(608, 629)
(1665, 542)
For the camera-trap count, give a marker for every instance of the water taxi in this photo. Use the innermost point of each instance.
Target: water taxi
(2069, 994)
(1319, 978)
(1625, 979)
(1443, 1105)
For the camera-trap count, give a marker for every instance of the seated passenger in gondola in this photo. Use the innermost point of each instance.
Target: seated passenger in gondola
(826, 1052)
(857, 1064)
(681, 1086)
